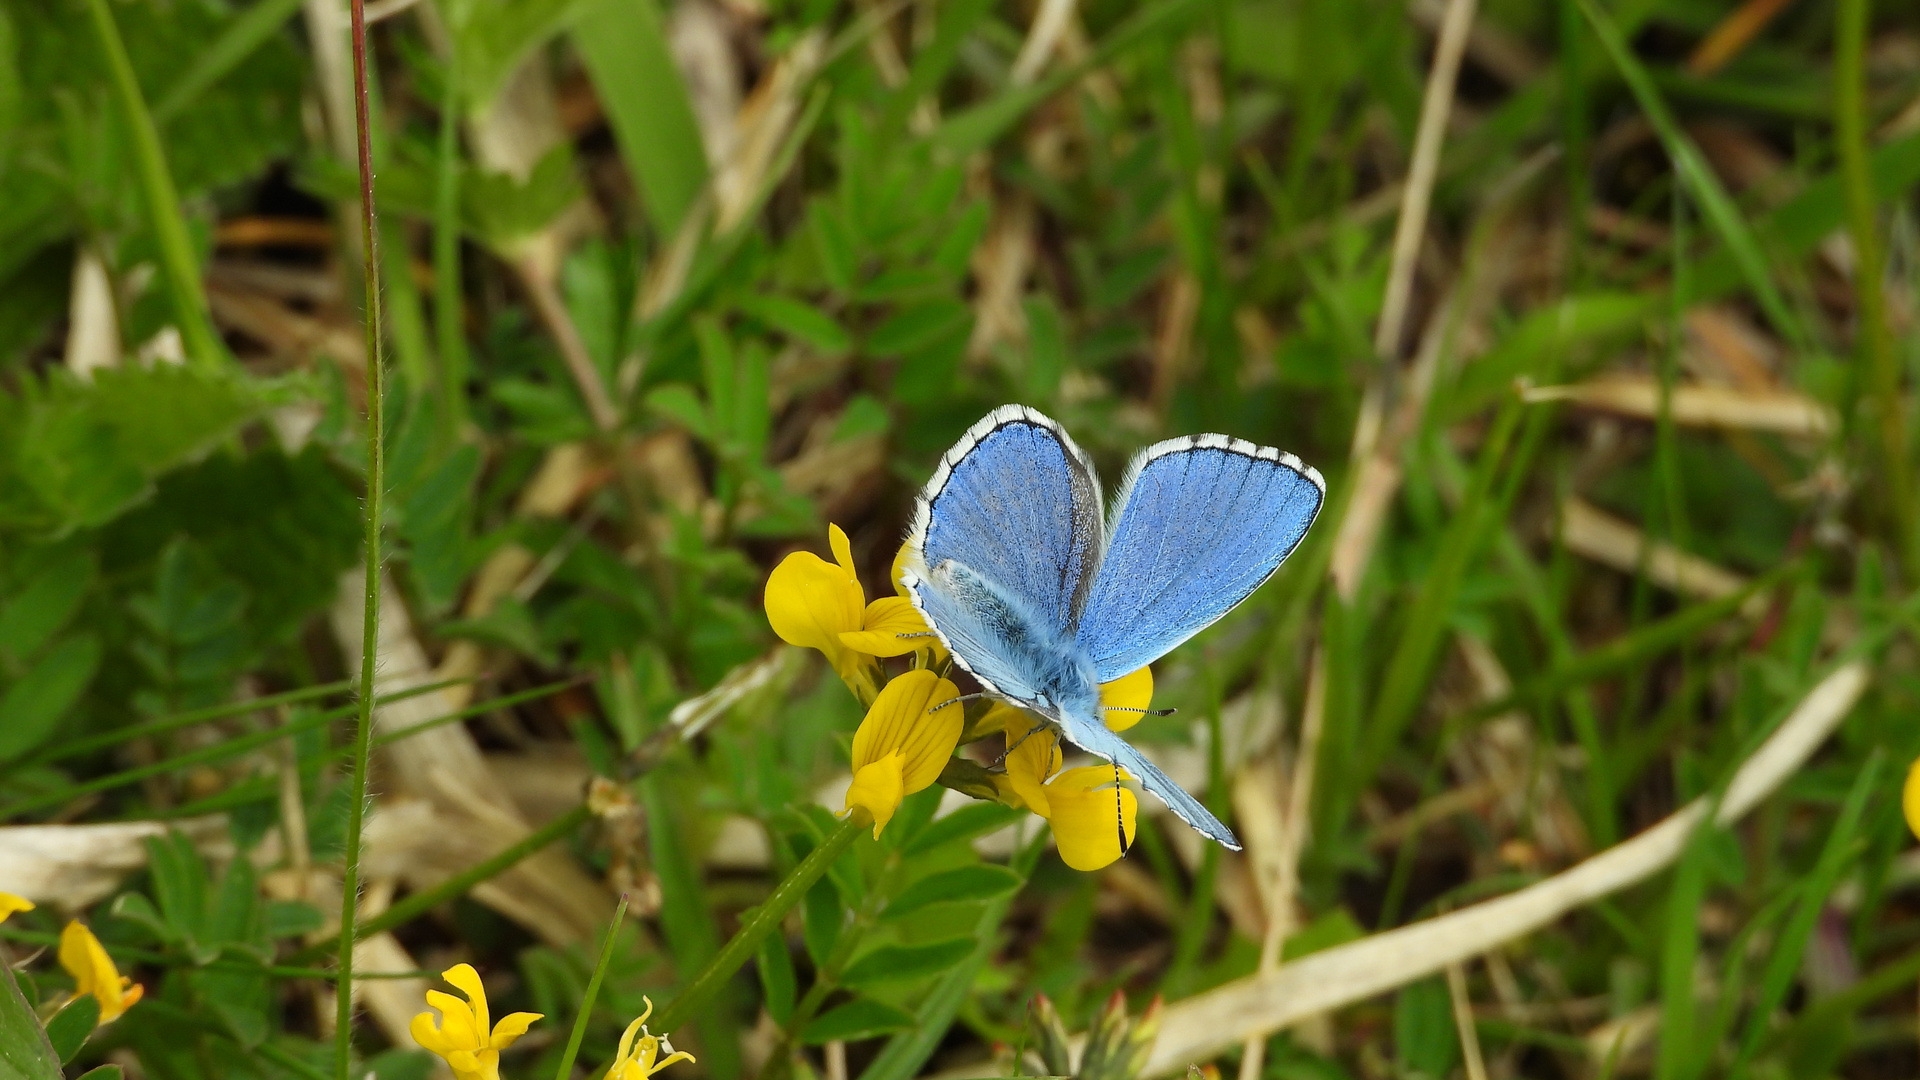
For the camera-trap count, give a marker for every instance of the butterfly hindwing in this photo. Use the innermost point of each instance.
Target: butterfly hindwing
(1017, 502)
(1200, 523)
(993, 635)
(1097, 739)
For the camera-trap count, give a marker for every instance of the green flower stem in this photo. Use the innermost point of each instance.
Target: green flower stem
(1875, 343)
(180, 268)
(350, 930)
(593, 991)
(747, 940)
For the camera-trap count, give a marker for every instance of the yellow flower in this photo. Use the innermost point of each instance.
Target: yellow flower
(820, 605)
(93, 972)
(903, 743)
(1127, 698)
(1910, 798)
(462, 1037)
(1086, 807)
(10, 903)
(635, 1061)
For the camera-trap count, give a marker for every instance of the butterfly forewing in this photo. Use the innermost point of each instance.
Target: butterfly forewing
(1201, 522)
(1017, 502)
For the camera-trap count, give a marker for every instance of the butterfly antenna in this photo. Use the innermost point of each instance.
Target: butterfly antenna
(1119, 811)
(951, 700)
(1132, 708)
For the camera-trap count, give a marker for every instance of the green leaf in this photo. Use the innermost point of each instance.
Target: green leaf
(778, 984)
(68, 1029)
(495, 37)
(971, 820)
(624, 47)
(918, 326)
(34, 705)
(24, 1051)
(45, 603)
(899, 963)
(1424, 1037)
(76, 454)
(110, 1072)
(861, 1018)
(799, 320)
(678, 402)
(968, 883)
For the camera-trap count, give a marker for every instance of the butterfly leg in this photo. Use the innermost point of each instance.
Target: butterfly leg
(951, 700)
(1001, 761)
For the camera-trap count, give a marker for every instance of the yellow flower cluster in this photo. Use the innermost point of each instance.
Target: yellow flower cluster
(471, 1048)
(914, 724)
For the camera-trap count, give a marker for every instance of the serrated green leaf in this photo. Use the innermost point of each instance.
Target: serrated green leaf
(968, 883)
(900, 963)
(75, 454)
(861, 1018)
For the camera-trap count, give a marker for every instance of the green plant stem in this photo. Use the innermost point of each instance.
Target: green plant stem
(1874, 340)
(593, 991)
(746, 940)
(234, 747)
(173, 723)
(180, 268)
(350, 930)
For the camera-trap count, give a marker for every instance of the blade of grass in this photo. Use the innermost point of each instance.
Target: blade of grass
(1693, 171)
(624, 48)
(771, 912)
(246, 32)
(370, 616)
(565, 1070)
(449, 311)
(177, 261)
(1679, 1056)
(1874, 341)
(1419, 644)
(1791, 946)
(165, 724)
(234, 747)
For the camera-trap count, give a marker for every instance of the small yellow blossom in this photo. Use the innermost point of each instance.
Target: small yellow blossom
(1910, 798)
(637, 1057)
(821, 605)
(904, 742)
(10, 903)
(93, 972)
(1086, 807)
(463, 1037)
(1127, 698)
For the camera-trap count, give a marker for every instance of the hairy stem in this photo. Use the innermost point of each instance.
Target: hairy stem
(370, 630)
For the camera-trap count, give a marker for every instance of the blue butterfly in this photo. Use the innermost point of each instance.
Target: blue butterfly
(1042, 597)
